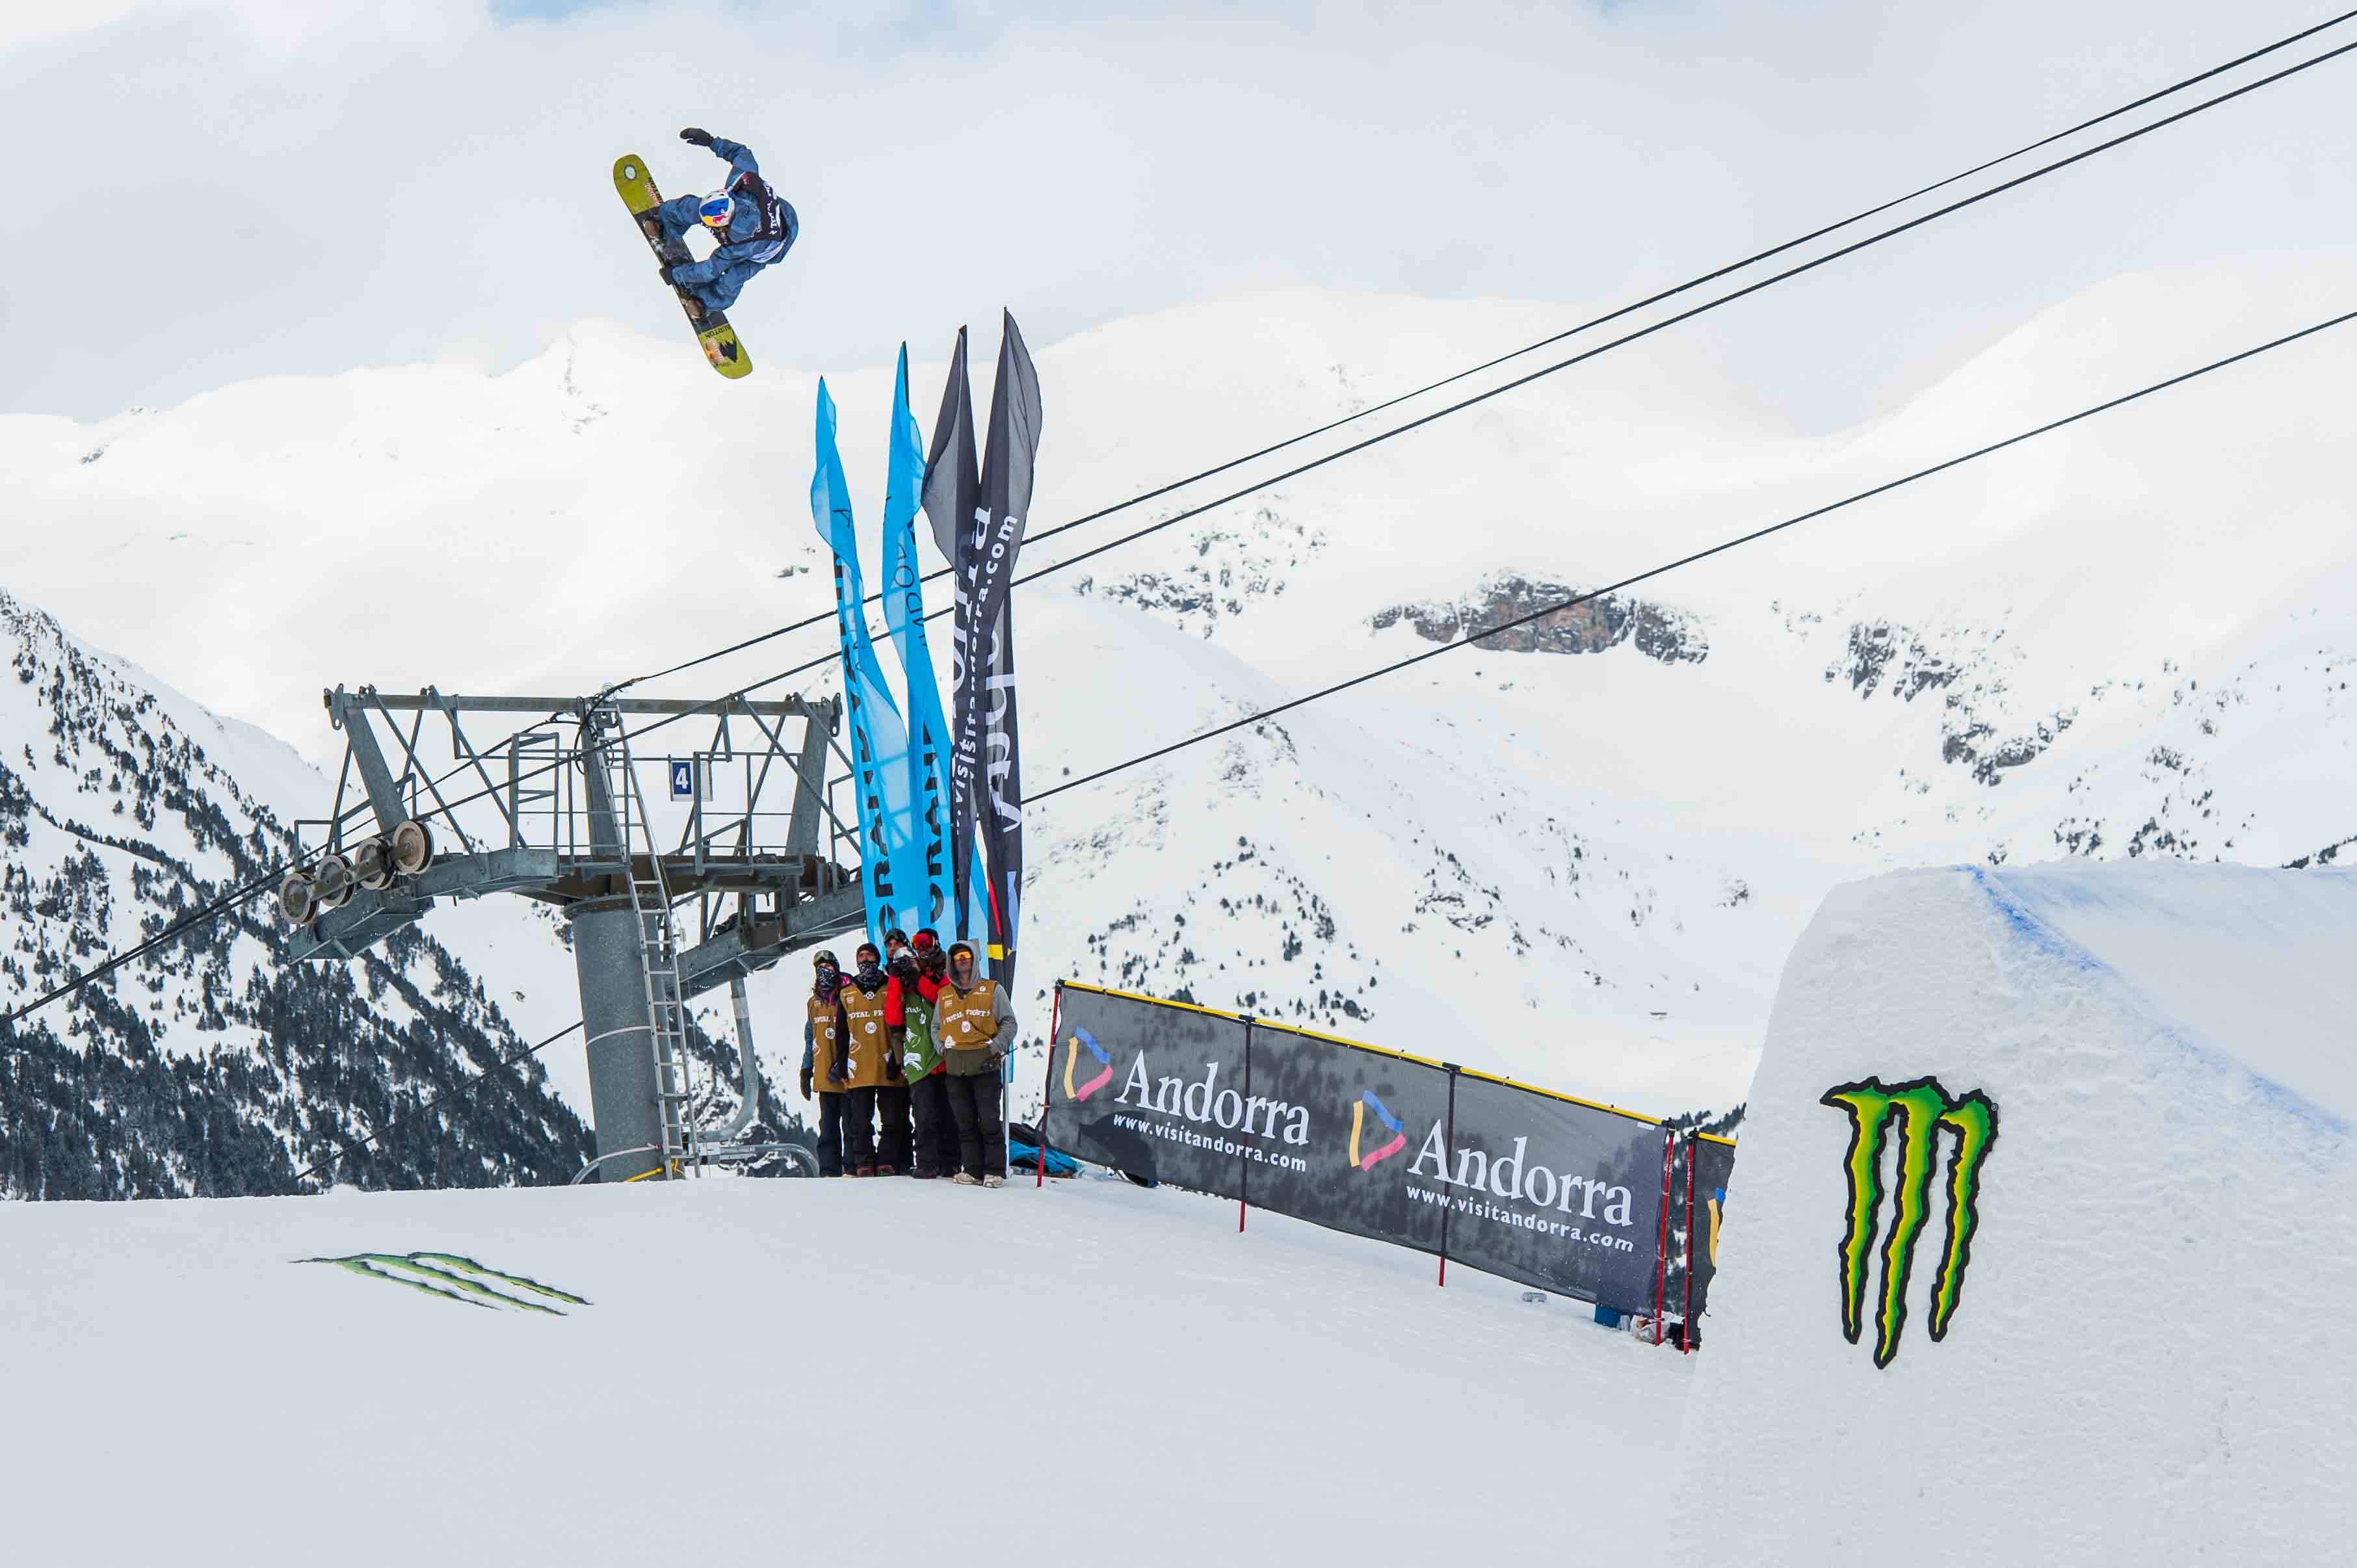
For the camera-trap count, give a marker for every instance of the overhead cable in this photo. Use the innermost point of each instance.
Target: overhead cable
(1610, 315)
(715, 703)
(1472, 638)
(1605, 347)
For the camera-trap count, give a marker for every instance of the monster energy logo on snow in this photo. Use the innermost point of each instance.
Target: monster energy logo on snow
(1920, 1109)
(456, 1278)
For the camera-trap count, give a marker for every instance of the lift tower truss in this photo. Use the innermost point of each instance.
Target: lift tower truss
(560, 811)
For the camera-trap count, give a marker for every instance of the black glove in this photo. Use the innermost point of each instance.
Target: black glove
(806, 1083)
(892, 1068)
(696, 137)
(664, 272)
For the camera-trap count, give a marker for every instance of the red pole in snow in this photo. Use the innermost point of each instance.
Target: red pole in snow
(1047, 1090)
(1686, 1312)
(1661, 1245)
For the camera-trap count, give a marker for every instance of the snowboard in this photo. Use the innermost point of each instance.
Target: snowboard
(637, 189)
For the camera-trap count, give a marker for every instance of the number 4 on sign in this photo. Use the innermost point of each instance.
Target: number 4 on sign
(683, 780)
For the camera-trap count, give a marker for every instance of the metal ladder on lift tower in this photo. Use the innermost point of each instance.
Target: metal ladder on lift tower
(659, 958)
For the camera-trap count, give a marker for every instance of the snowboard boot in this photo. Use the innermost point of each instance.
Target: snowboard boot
(886, 1170)
(965, 1179)
(865, 1170)
(994, 1181)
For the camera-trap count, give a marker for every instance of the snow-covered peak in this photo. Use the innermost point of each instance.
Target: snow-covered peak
(2126, 638)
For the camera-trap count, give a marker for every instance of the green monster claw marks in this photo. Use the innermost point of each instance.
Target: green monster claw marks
(1919, 1108)
(454, 1278)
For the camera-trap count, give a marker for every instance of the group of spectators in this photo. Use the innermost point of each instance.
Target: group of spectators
(911, 1035)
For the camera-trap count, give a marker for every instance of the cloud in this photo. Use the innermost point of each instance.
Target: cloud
(255, 187)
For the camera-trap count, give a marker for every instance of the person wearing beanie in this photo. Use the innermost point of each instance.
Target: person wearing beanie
(874, 1063)
(973, 1028)
(825, 1065)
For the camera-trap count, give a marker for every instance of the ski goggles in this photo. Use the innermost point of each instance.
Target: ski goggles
(716, 211)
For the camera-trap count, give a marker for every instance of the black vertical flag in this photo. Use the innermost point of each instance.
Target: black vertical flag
(978, 523)
(952, 494)
(1008, 459)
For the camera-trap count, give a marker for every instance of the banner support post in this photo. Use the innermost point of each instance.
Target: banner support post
(1244, 1165)
(1662, 1241)
(1685, 1312)
(1047, 1087)
(1449, 1143)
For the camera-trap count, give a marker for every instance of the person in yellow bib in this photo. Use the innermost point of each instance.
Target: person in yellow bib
(826, 1067)
(974, 1028)
(872, 1025)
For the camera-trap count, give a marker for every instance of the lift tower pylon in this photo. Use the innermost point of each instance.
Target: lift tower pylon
(566, 820)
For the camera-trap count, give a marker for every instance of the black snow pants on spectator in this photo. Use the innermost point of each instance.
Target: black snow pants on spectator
(830, 1107)
(937, 1134)
(890, 1103)
(974, 1103)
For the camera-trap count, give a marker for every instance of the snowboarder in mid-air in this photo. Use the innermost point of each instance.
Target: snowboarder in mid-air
(755, 226)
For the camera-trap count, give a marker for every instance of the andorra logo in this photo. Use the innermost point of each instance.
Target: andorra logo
(1373, 1156)
(1082, 1039)
(1919, 1109)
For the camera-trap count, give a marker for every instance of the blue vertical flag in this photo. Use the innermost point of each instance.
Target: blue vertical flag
(879, 742)
(925, 881)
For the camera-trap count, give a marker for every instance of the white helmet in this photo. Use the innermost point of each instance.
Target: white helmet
(717, 210)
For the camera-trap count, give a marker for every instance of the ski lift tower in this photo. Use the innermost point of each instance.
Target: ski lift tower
(562, 816)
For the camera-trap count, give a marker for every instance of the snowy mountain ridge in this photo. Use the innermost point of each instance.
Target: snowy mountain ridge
(209, 1067)
(1567, 855)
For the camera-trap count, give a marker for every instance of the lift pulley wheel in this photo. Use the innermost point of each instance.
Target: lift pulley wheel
(332, 883)
(294, 898)
(373, 864)
(412, 847)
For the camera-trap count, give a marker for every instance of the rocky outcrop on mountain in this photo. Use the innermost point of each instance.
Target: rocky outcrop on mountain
(1605, 621)
(1878, 649)
(1886, 659)
(1231, 567)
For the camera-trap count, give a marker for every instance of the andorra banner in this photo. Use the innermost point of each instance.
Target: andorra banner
(1534, 1186)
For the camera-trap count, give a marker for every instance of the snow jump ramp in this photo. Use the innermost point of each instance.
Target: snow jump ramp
(2131, 1088)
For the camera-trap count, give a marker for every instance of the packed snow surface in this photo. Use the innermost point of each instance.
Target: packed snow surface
(2147, 1362)
(2143, 1365)
(804, 1371)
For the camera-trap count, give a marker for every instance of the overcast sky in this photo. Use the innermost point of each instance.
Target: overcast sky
(213, 190)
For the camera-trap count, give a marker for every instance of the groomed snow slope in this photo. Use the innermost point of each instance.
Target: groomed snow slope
(2148, 1361)
(799, 1371)
(2144, 1365)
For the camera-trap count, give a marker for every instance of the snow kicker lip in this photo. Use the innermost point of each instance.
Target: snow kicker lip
(455, 1277)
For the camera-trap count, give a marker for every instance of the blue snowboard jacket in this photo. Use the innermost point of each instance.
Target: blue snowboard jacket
(718, 279)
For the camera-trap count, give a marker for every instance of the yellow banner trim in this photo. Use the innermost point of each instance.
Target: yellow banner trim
(1381, 1051)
